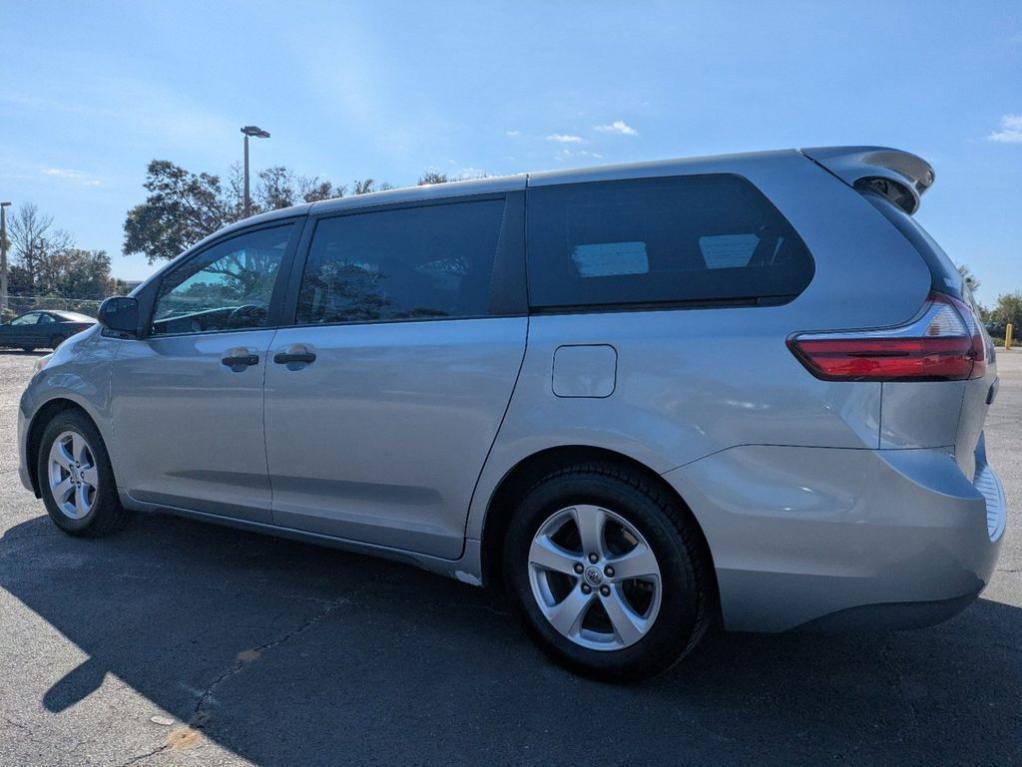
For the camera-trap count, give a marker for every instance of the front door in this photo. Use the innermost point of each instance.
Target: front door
(188, 399)
(385, 398)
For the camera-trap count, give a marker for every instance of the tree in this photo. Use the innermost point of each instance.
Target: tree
(433, 177)
(75, 273)
(969, 278)
(1008, 309)
(280, 188)
(182, 207)
(365, 186)
(314, 190)
(33, 239)
(180, 210)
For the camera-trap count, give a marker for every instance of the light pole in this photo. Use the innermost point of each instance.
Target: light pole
(250, 130)
(3, 255)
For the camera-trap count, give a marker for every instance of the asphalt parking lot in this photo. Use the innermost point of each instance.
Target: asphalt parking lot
(181, 643)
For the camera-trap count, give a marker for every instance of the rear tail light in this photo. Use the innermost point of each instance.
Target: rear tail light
(944, 344)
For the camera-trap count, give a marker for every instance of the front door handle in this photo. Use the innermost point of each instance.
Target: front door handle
(295, 354)
(239, 359)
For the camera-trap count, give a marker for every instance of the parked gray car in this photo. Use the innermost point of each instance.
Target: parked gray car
(641, 399)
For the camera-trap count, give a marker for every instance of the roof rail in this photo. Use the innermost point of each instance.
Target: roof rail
(900, 176)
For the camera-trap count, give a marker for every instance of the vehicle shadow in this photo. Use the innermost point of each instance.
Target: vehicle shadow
(22, 353)
(288, 653)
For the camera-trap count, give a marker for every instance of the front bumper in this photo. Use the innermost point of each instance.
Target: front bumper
(839, 538)
(23, 471)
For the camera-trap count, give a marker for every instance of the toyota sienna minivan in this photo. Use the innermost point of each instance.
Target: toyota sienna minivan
(641, 399)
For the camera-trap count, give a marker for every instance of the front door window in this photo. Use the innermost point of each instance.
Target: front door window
(228, 287)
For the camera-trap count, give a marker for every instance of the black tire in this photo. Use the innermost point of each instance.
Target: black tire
(28, 349)
(106, 514)
(687, 603)
(57, 341)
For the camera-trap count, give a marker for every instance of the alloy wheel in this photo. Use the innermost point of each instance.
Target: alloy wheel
(595, 578)
(73, 475)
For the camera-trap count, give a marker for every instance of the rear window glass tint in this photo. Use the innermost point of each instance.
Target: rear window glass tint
(665, 240)
(427, 262)
(606, 259)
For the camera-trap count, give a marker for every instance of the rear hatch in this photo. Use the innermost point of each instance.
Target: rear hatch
(937, 411)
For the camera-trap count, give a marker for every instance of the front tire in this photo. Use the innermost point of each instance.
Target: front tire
(76, 479)
(608, 573)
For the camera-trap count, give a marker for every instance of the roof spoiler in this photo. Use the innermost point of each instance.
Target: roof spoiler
(901, 177)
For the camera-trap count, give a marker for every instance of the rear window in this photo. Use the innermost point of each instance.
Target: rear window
(706, 239)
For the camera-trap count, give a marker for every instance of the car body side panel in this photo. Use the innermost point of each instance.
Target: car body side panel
(188, 431)
(921, 414)
(382, 438)
(689, 383)
(80, 372)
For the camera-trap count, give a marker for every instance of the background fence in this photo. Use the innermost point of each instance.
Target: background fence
(17, 305)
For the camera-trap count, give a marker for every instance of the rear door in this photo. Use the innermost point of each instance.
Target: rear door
(46, 329)
(385, 397)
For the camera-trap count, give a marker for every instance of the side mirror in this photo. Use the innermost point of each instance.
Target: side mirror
(119, 314)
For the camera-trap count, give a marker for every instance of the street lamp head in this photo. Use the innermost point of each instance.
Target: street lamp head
(4, 204)
(254, 130)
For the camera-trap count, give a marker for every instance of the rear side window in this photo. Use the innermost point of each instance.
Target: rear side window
(705, 239)
(405, 264)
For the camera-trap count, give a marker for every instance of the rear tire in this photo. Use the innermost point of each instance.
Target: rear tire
(28, 349)
(625, 628)
(57, 341)
(75, 477)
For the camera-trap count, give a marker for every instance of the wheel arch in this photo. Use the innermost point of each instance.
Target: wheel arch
(42, 418)
(529, 470)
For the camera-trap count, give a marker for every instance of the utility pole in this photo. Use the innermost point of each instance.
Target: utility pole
(257, 132)
(3, 255)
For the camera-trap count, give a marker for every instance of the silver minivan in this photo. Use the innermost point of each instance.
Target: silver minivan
(643, 399)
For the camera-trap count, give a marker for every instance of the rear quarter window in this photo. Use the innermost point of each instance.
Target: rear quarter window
(702, 239)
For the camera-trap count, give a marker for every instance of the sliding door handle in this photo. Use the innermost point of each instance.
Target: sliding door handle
(296, 354)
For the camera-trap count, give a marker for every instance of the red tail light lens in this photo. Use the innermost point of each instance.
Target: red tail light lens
(945, 344)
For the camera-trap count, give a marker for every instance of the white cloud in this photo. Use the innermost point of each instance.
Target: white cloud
(72, 175)
(1010, 132)
(618, 126)
(468, 173)
(513, 133)
(567, 154)
(564, 138)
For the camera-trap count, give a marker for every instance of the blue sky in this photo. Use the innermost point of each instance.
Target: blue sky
(90, 92)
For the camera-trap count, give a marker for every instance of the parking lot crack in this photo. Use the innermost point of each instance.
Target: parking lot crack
(140, 757)
(17, 725)
(201, 715)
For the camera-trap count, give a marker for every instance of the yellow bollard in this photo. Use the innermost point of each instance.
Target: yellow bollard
(1007, 336)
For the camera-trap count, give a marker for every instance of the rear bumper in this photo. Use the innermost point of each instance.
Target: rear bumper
(844, 539)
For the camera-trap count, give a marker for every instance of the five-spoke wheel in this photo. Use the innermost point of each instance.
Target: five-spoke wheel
(608, 570)
(594, 577)
(73, 476)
